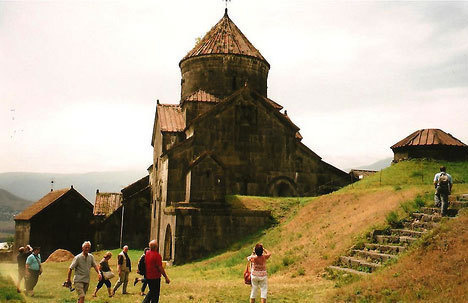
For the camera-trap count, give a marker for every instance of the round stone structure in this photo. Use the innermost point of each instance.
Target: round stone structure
(222, 62)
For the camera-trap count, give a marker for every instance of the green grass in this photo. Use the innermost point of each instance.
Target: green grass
(413, 173)
(8, 291)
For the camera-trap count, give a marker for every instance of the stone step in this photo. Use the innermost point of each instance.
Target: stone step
(348, 270)
(358, 264)
(373, 256)
(463, 197)
(405, 240)
(415, 225)
(406, 232)
(389, 249)
(426, 218)
(458, 204)
(431, 210)
(451, 212)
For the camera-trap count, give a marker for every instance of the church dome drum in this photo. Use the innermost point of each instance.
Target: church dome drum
(222, 62)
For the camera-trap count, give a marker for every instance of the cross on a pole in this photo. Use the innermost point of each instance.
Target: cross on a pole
(226, 2)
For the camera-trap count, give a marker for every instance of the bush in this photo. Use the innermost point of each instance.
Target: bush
(393, 220)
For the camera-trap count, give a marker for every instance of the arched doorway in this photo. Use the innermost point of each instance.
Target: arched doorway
(282, 187)
(168, 244)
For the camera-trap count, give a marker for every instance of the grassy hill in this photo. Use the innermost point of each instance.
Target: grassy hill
(311, 233)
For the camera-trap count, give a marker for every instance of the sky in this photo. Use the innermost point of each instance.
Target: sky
(79, 80)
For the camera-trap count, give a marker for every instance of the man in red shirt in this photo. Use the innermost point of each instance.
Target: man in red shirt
(154, 270)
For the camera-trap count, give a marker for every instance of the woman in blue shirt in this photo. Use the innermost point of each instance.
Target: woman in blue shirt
(33, 270)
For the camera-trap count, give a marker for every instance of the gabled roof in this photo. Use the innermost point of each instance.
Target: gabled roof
(201, 96)
(171, 118)
(136, 187)
(224, 38)
(45, 202)
(246, 89)
(427, 137)
(107, 203)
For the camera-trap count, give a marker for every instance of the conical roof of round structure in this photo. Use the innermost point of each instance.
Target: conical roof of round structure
(431, 136)
(225, 38)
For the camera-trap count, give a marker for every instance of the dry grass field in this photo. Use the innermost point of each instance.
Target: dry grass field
(310, 234)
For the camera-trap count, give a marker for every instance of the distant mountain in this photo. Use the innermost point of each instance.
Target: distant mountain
(33, 186)
(381, 164)
(10, 205)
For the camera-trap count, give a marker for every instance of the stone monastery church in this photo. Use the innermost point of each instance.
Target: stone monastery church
(225, 137)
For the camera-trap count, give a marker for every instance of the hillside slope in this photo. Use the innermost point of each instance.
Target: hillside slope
(434, 271)
(10, 205)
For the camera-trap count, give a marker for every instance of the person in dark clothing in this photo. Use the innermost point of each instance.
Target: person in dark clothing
(23, 254)
(104, 267)
(142, 271)
(154, 270)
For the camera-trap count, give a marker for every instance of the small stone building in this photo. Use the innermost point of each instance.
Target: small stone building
(134, 202)
(60, 219)
(359, 174)
(432, 144)
(225, 137)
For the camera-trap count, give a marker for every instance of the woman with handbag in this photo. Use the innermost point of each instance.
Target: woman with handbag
(258, 272)
(106, 274)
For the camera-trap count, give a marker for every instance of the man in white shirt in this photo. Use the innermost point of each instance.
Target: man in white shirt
(82, 263)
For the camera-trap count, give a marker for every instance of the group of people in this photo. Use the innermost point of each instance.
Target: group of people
(29, 268)
(152, 270)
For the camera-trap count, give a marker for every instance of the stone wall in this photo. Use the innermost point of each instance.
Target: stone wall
(258, 153)
(201, 231)
(447, 153)
(221, 75)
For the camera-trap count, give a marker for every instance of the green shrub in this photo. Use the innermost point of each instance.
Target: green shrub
(392, 219)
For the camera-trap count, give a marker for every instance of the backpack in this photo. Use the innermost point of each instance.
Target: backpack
(142, 265)
(443, 184)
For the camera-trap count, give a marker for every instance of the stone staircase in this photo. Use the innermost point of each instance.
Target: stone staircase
(386, 244)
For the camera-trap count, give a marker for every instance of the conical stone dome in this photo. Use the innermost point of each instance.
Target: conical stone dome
(222, 62)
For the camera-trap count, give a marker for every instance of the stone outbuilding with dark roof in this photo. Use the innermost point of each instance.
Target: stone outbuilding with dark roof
(126, 214)
(60, 219)
(225, 137)
(432, 144)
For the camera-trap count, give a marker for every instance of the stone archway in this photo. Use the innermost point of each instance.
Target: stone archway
(167, 256)
(282, 187)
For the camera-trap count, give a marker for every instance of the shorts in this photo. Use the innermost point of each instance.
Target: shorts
(81, 288)
(259, 282)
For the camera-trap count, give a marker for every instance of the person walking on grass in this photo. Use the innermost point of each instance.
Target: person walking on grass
(33, 269)
(142, 271)
(154, 270)
(124, 266)
(23, 254)
(259, 272)
(82, 264)
(443, 185)
(104, 267)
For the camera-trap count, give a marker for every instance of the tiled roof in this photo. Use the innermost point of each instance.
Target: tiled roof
(202, 96)
(224, 38)
(432, 136)
(171, 118)
(107, 203)
(274, 104)
(37, 207)
(136, 187)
